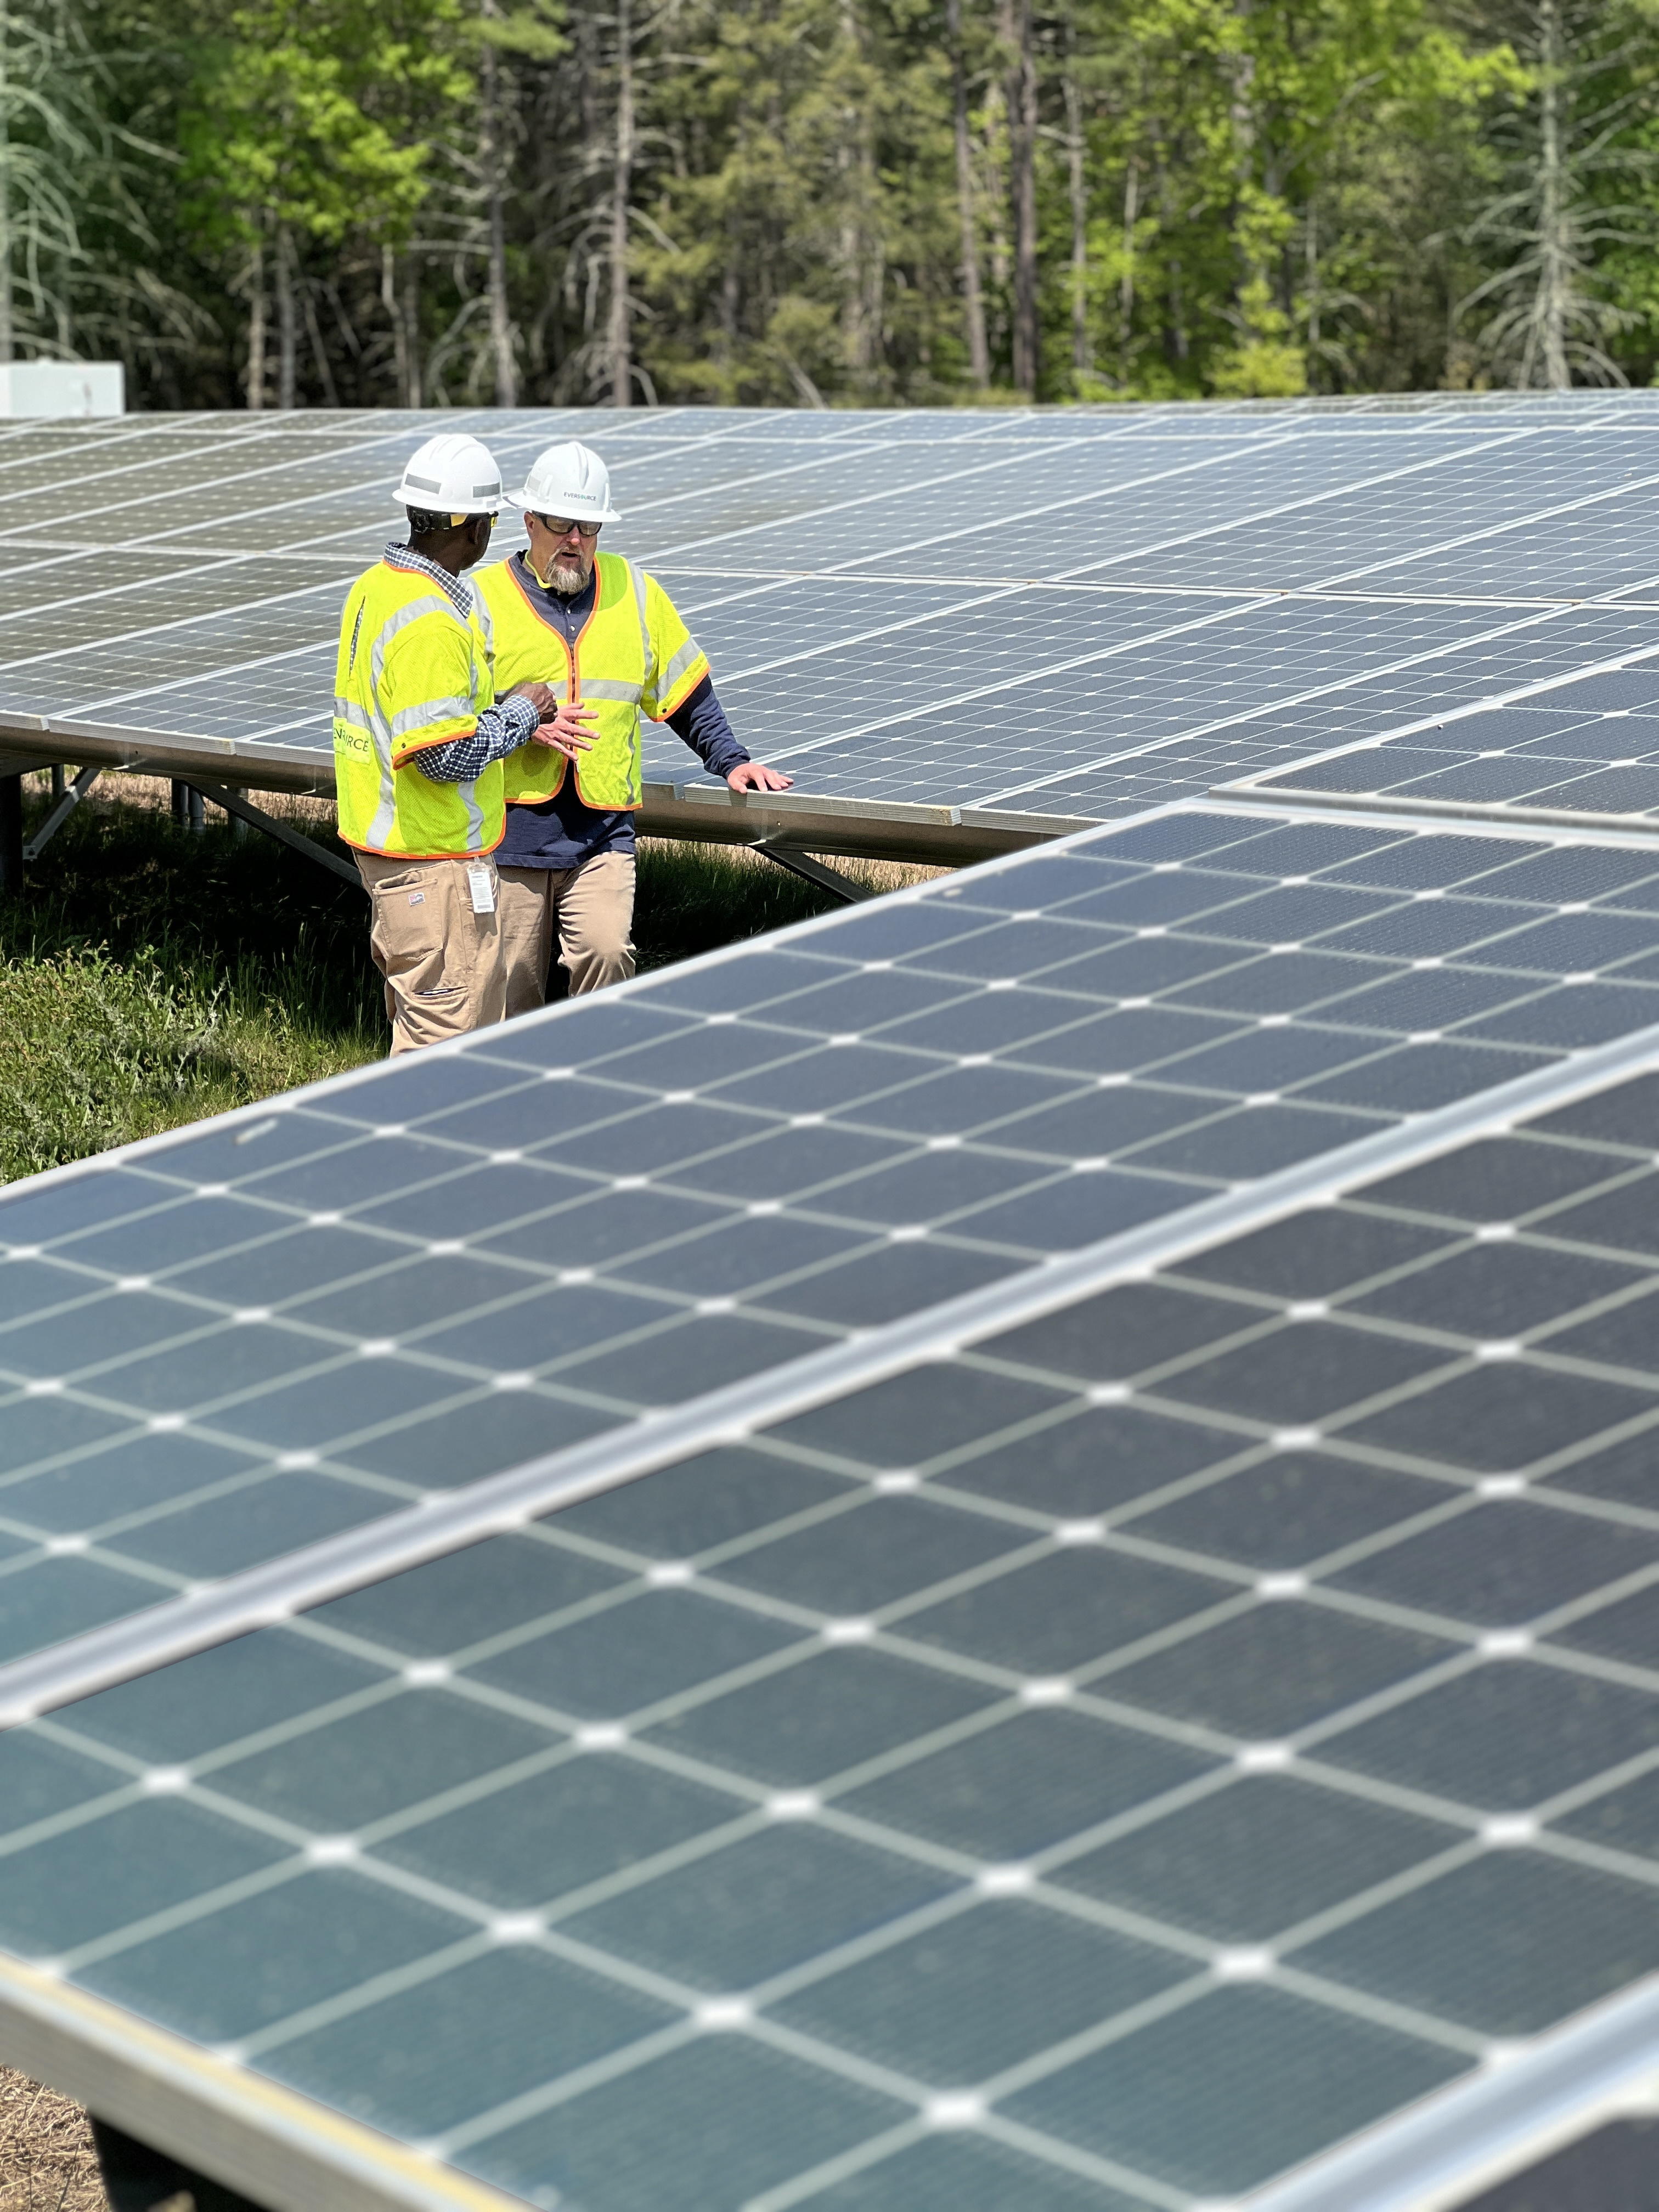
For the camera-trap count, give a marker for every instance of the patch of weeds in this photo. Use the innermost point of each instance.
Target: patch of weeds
(149, 976)
(691, 898)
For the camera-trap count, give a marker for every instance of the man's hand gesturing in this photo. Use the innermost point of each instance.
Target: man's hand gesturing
(567, 725)
(568, 730)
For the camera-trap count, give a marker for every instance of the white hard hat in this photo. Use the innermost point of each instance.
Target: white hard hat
(451, 474)
(569, 480)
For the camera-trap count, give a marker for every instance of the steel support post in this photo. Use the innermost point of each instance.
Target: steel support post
(11, 835)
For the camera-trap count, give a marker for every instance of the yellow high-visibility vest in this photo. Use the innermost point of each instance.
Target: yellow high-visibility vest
(633, 656)
(411, 671)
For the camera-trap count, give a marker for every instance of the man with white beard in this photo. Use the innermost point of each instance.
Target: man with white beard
(607, 640)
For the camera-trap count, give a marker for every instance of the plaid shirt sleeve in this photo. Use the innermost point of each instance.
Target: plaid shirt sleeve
(502, 729)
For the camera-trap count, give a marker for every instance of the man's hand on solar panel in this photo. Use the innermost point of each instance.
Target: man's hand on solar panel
(610, 632)
(753, 776)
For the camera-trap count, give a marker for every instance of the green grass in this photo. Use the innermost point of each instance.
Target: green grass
(149, 977)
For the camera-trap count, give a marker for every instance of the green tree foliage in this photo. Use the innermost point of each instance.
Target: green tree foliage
(827, 202)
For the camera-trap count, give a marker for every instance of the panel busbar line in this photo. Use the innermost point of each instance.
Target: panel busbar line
(1060, 616)
(1105, 1768)
(226, 1344)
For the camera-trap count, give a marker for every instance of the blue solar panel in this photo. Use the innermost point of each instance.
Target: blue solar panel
(995, 1552)
(1104, 1764)
(1001, 611)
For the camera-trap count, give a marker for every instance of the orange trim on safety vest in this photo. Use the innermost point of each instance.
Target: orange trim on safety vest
(572, 681)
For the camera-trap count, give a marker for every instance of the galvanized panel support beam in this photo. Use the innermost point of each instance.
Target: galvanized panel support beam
(238, 808)
(67, 802)
(814, 872)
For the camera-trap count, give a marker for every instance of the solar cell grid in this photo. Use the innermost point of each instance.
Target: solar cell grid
(1237, 501)
(1589, 747)
(1187, 1685)
(1240, 1675)
(256, 1337)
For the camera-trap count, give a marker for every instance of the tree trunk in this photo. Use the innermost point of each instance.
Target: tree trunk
(320, 352)
(412, 301)
(287, 327)
(1554, 238)
(8, 335)
(1125, 296)
(973, 303)
(1174, 334)
(1021, 99)
(618, 333)
(863, 259)
(256, 332)
(1083, 359)
(1241, 113)
(399, 337)
(500, 322)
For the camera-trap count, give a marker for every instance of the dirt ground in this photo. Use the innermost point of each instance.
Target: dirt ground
(46, 2159)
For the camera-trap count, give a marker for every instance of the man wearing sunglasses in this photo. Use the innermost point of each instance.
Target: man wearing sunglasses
(419, 740)
(607, 639)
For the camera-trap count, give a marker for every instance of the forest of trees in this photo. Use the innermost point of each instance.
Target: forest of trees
(822, 202)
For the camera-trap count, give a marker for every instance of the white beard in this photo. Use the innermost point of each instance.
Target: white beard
(566, 578)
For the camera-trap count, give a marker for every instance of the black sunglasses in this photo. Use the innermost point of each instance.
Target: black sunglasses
(562, 529)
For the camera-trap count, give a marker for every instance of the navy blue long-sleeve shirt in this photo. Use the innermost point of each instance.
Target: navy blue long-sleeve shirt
(562, 832)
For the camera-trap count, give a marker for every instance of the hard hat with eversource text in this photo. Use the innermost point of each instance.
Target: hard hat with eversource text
(451, 475)
(568, 481)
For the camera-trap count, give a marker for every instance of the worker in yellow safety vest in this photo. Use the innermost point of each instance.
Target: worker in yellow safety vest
(419, 742)
(606, 638)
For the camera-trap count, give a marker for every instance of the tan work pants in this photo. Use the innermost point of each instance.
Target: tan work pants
(590, 910)
(441, 960)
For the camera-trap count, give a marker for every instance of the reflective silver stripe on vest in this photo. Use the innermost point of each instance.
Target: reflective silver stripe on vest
(348, 712)
(611, 687)
(385, 814)
(688, 656)
(636, 578)
(467, 793)
(433, 710)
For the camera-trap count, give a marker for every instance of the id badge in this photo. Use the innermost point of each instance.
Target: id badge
(483, 890)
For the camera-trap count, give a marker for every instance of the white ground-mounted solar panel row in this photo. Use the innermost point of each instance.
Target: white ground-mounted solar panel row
(996, 1552)
(1003, 615)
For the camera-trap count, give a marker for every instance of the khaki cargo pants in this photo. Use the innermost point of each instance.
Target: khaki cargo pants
(590, 910)
(441, 959)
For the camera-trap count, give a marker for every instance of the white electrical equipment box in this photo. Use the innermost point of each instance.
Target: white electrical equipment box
(63, 387)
